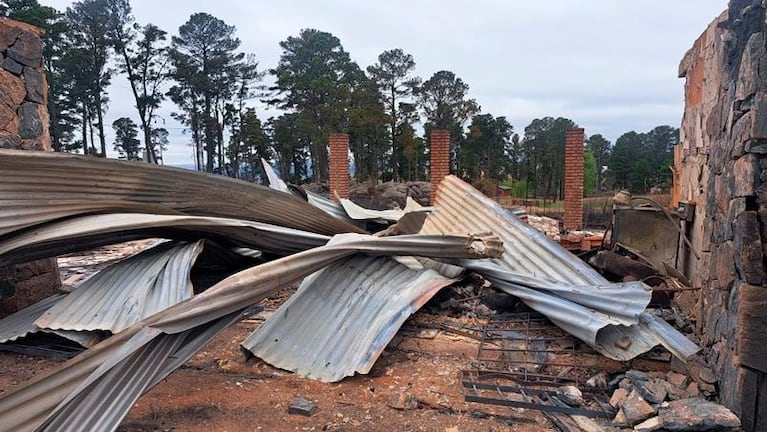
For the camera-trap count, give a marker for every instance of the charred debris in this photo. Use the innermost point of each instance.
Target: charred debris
(593, 336)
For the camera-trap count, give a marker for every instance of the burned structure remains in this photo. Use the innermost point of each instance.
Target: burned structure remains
(24, 125)
(364, 272)
(721, 164)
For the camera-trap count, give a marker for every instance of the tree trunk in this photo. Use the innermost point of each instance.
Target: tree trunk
(393, 125)
(93, 142)
(100, 118)
(55, 128)
(141, 107)
(210, 142)
(220, 140)
(85, 129)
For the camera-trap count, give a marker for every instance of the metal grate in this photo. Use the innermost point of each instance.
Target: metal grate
(523, 360)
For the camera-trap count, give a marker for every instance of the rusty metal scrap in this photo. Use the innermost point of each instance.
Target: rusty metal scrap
(87, 232)
(95, 390)
(462, 208)
(39, 187)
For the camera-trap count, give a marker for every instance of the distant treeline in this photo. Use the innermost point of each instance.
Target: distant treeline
(387, 111)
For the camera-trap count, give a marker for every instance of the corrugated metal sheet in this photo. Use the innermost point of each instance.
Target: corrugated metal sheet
(128, 291)
(22, 322)
(330, 207)
(343, 316)
(86, 232)
(527, 252)
(461, 208)
(358, 212)
(314, 199)
(275, 182)
(72, 390)
(37, 187)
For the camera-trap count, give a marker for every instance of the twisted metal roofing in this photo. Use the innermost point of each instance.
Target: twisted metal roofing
(343, 316)
(38, 187)
(22, 323)
(95, 390)
(86, 232)
(127, 291)
(553, 281)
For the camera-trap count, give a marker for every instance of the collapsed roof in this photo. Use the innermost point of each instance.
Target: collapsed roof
(54, 203)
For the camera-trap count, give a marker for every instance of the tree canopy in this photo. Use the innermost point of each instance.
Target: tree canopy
(316, 89)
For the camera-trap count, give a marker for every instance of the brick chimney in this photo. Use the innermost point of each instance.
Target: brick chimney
(574, 179)
(440, 158)
(339, 165)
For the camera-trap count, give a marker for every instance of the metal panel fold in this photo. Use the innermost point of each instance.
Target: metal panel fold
(67, 393)
(127, 291)
(343, 316)
(552, 281)
(38, 187)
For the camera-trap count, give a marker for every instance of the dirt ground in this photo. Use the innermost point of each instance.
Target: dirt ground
(219, 390)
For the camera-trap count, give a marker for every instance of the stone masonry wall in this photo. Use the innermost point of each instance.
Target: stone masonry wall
(573, 219)
(339, 165)
(439, 164)
(24, 125)
(723, 171)
(24, 122)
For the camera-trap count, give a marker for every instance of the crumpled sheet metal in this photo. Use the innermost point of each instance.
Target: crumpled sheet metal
(343, 316)
(459, 207)
(127, 291)
(462, 208)
(275, 182)
(38, 187)
(357, 212)
(330, 207)
(22, 323)
(95, 390)
(596, 314)
(87, 232)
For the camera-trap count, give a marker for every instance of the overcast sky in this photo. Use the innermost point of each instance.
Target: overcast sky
(609, 65)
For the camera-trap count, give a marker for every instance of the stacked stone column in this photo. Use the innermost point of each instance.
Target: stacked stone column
(24, 125)
(574, 179)
(722, 169)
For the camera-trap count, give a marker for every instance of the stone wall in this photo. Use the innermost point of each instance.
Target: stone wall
(722, 168)
(24, 119)
(573, 219)
(24, 124)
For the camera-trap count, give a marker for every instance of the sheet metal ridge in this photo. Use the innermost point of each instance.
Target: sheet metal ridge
(461, 208)
(22, 323)
(127, 291)
(342, 317)
(34, 179)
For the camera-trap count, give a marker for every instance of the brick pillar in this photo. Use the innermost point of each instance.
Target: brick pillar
(24, 125)
(574, 179)
(339, 165)
(440, 158)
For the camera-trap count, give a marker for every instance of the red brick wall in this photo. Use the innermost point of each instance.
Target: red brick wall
(440, 158)
(574, 179)
(339, 165)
